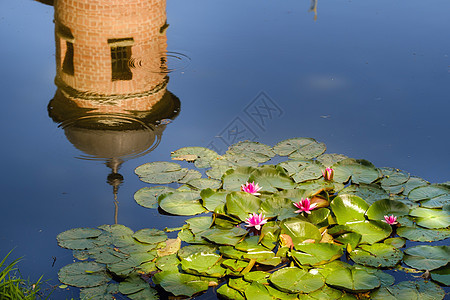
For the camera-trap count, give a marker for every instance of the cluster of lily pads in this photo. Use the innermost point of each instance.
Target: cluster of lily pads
(313, 226)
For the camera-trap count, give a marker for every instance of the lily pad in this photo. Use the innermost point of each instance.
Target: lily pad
(279, 207)
(257, 291)
(234, 178)
(180, 284)
(359, 170)
(300, 230)
(369, 192)
(78, 238)
(182, 203)
(316, 254)
(160, 172)
(329, 159)
(270, 179)
(442, 275)
(148, 196)
(431, 218)
(412, 183)
(202, 157)
(295, 280)
(426, 257)
(224, 237)
(204, 183)
(102, 292)
(150, 236)
(353, 279)
(384, 207)
(299, 148)
(206, 264)
(377, 255)
(226, 292)
(132, 284)
(212, 199)
(371, 231)
(256, 151)
(190, 175)
(241, 204)
(429, 192)
(349, 208)
(409, 290)
(84, 274)
(419, 234)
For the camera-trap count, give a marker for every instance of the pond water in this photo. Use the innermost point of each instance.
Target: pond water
(369, 79)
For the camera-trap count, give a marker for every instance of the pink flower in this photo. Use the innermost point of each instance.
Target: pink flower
(304, 205)
(391, 220)
(328, 174)
(255, 220)
(251, 188)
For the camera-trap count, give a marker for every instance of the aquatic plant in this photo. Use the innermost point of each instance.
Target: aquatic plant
(292, 255)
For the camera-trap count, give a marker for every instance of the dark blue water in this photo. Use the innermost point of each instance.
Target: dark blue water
(370, 79)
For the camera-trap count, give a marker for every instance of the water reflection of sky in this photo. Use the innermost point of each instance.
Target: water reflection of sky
(369, 79)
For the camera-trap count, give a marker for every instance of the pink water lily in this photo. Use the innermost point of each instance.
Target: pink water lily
(304, 205)
(391, 220)
(251, 188)
(255, 220)
(328, 174)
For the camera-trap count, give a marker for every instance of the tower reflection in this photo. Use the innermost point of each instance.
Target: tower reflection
(111, 76)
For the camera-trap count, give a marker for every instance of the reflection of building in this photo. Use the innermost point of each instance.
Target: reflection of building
(112, 99)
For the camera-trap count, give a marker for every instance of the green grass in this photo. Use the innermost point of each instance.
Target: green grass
(13, 287)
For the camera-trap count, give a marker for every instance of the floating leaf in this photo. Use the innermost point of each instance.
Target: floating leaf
(167, 263)
(202, 157)
(102, 292)
(300, 230)
(319, 216)
(384, 207)
(316, 254)
(190, 175)
(376, 255)
(256, 151)
(206, 264)
(212, 199)
(228, 293)
(353, 279)
(369, 192)
(329, 159)
(419, 234)
(350, 239)
(295, 280)
(299, 148)
(148, 196)
(241, 204)
(78, 238)
(409, 290)
(182, 203)
(132, 284)
(431, 218)
(233, 179)
(180, 284)
(442, 275)
(426, 257)
(393, 179)
(279, 207)
(84, 274)
(257, 291)
(224, 237)
(412, 183)
(199, 224)
(302, 171)
(371, 231)
(359, 170)
(160, 172)
(429, 192)
(150, 236)
(204, 183)
(395, 242)
(172, 246)
(349, 208)
(270, 179)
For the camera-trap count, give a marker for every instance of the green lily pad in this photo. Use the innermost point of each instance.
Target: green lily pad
(270, 179)
(180, 284)
(224, 237)
(396, 242)
(419, 234)
(442, 275)
(385, 278)
(78, 238)
(377, 255)
(241, 204)
(167, 263)
(428, 192)
(202, 157)
(190, 175)
(359, 170)
(204, 183)
(279, 207)
(160, 172)
(393, 180)
(426, 257)
(199, 224)
(371, 231)
(329, 159)
(349, 208)
(84, 274)
(132, 284)
(234, 178)
(369, 192)
(102, 292)
(299, 148)
(182, 203)
(295, 280)
(302, 171)
(148, 196)
(300, 230)
(431, 218)
(257, 151)
(353, 279)
(409, 290)
(316, 254)
(226, 292)
(258, 276)
(128, 265)
(319, 216)
(412, 183)
(106, 255)
(206, 264)
(257, 291)
(150, 236)
(384, 207)
(350, 238)
(212, 199)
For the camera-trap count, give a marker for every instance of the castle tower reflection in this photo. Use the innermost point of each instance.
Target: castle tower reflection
(111, 74)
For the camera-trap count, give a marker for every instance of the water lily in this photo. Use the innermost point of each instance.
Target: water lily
(328, 174)
(251, 188)
(391, 220)
(304, 205)
(255, 220)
